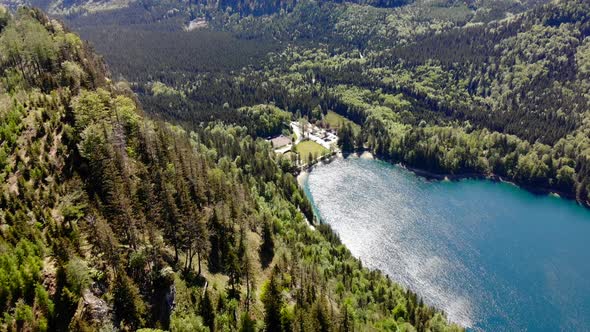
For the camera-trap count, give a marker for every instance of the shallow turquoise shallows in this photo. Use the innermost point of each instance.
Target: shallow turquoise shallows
(493, 256)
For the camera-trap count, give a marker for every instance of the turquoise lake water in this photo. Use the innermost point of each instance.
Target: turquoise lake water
(493, 256)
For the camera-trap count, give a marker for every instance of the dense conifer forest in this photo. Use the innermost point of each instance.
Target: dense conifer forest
(483, 87)
(110, 220)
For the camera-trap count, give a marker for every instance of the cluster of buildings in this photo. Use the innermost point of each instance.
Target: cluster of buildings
(307, 131)
(324, 137)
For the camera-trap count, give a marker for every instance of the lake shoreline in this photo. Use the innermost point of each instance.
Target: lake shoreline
(366, 154)
(458, 244)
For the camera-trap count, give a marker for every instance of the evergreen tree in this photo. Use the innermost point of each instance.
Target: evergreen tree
(247, 324)
(128, 306)
(267, 246)
(273, 303)
(207, 311)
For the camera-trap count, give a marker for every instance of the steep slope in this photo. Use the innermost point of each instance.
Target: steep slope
(110, 220)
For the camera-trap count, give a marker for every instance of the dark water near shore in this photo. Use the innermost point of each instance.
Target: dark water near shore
(493, 256)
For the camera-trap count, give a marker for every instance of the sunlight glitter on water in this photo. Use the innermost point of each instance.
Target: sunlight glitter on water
(461, 245)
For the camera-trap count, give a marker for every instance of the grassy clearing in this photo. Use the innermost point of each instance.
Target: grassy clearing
(307, 147)
(336, 120)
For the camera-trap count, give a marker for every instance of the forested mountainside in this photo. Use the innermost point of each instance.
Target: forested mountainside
(435, 85)
(115, 219)
(245, 8)
(112, 221)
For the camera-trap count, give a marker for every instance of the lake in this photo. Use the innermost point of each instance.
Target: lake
(493, 256)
